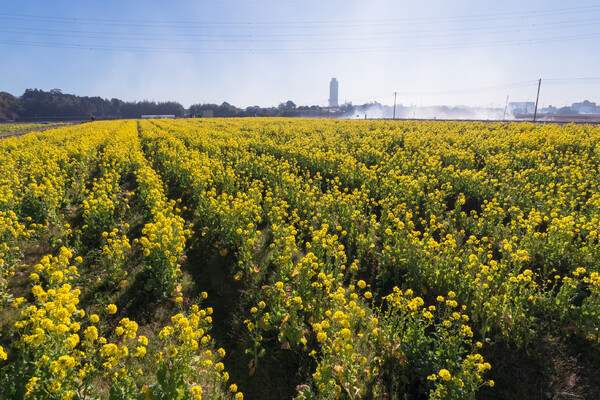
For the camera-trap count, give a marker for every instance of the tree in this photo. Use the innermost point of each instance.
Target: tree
(170, 108)
(196, 110)
(116, 106)
(10, 107)
(227, 110)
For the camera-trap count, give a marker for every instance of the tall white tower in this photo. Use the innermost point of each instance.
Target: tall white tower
(333, 93)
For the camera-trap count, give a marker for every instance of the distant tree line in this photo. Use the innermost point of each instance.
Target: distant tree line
(36, 104)
(39, 104)
(287, 109)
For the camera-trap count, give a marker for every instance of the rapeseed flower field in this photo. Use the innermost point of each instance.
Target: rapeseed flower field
(279, 258)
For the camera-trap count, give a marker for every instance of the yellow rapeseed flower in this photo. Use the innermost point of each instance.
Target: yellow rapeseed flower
(445, 374)
(197, 392)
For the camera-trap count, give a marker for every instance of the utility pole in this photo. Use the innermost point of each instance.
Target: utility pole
(537, 99)
(505, 107)
(394, 117)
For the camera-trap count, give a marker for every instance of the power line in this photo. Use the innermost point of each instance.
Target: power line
(333, 23)
(570, 81)
(170, 37)
(307, 50)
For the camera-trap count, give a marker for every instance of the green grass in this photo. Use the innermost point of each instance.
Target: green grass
(18, 127)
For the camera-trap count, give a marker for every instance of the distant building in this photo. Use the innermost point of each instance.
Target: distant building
(549, 110)
(585, 107)
(333, 93)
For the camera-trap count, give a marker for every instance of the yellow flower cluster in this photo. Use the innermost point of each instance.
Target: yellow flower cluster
(13, 235)
(51, 327)
(164, 238)
(114, 253)
(68, 351)
(188, 355)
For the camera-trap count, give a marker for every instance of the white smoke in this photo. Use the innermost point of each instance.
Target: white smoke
(379, 111)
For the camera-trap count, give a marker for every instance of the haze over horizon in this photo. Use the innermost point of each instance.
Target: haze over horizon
(265, 52)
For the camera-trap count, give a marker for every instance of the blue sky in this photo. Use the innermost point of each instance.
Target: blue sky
(263, 52)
